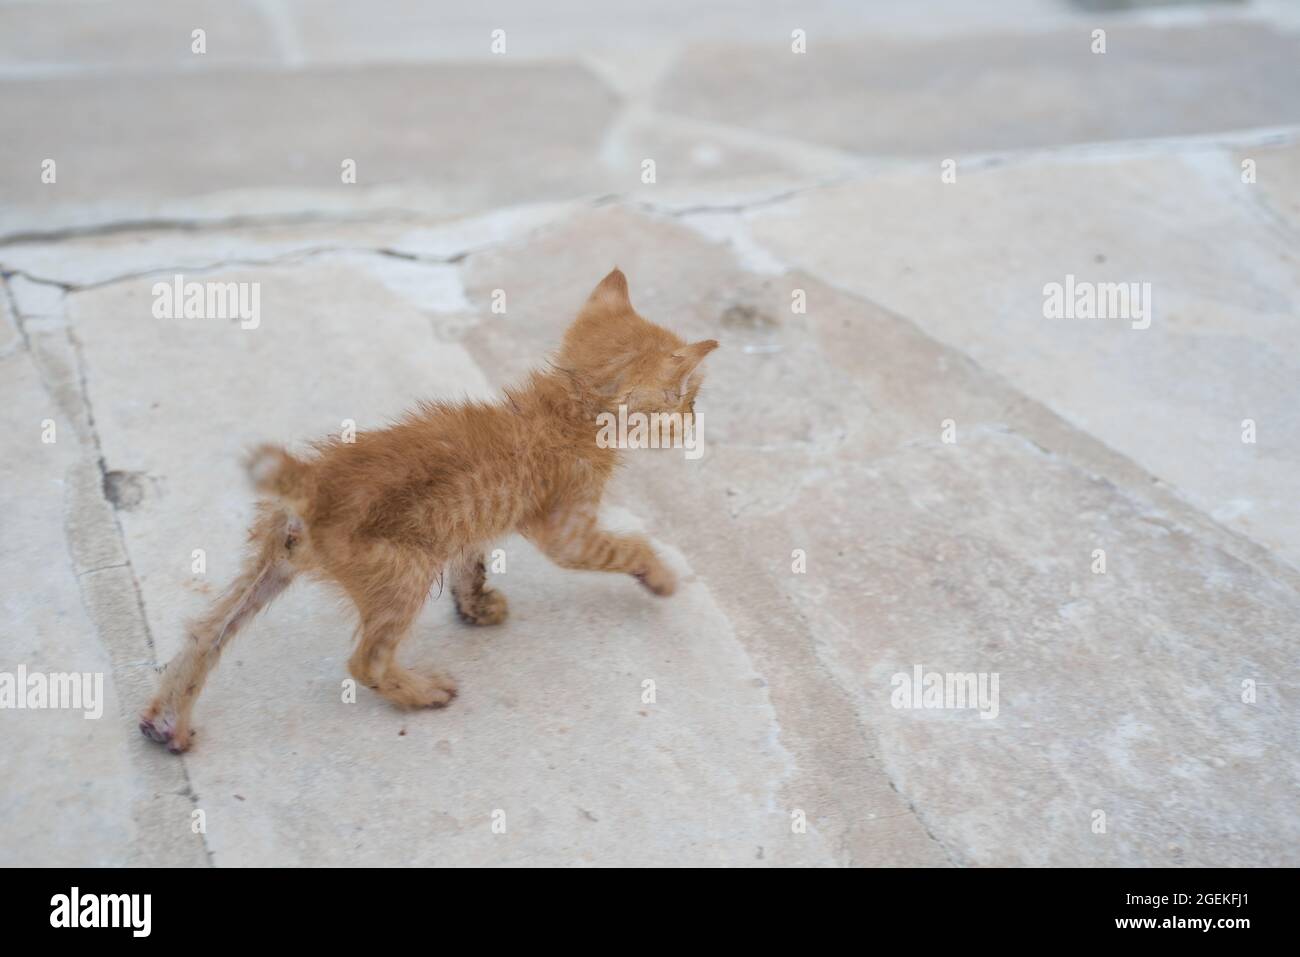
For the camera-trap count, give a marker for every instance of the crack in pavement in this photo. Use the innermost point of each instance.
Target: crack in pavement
(290, 258)
(138, 603)
(90, 448)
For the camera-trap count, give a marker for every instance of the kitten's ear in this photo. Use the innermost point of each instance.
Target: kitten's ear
(687, 358)
(693, 354)
(612, 289)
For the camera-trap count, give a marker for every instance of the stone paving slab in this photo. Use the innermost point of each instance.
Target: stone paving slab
(968, 261)
(337, 31)
(42, 37)
(947, 97)
(1277, 175)
(42, 270)
(451, 134)
(10, 334)
(79, 791)
(65, 761)
(1119, 693)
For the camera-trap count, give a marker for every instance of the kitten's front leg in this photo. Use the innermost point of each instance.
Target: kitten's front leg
(572, 539)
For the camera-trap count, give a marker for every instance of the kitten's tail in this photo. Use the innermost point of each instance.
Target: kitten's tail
(278, 474)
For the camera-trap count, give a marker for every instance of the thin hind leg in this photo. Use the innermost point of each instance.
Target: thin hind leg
(266, 573)
(389, 592)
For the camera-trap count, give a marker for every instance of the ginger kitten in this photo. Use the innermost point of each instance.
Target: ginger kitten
(382, 517)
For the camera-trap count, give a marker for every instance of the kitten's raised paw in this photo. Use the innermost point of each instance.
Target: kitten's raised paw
(658, 579)
(406, 689)
(488, 607)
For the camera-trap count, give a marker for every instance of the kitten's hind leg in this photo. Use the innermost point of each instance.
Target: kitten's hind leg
(375, 662)
(389, 593)
(475, 602)
(268, 571)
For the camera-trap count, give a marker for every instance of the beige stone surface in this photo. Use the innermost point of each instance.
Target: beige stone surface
(10, 335)
(1277, 176)
(1119, 693)
(338, 31)
(951, 96)
(35, 299)
(829, 539)
(78, 790)
(968, 261)
(451, 134)
(41, 37)
(43, 271)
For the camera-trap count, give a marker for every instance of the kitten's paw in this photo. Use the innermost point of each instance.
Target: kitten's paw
(406, 689)
(658, 579)
(161, 725)
(488, 607)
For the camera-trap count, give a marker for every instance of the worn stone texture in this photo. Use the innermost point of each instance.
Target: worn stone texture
(338, 31)
(78, 790)
(10, 334)
(41, 37)
(1277, 182)
(968, 261)
(961, 95)
(448, 136)
(905, 463)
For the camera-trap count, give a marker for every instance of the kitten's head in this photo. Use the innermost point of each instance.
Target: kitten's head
(629, 360)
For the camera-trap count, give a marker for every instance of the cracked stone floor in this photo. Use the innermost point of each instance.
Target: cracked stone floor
(1146, 715)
